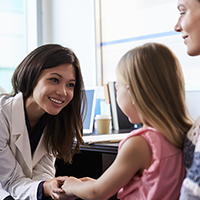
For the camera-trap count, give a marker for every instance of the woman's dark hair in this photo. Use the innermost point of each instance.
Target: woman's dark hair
(61, 129)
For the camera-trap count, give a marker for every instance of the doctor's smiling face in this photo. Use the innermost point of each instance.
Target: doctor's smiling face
(54, 89)
(189, 25)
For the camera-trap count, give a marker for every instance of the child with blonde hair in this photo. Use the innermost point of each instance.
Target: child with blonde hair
(149, 164)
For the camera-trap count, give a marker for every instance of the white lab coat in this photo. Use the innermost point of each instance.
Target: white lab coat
(20, 173)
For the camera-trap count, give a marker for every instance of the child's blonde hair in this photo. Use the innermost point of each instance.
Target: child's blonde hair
(154, 76)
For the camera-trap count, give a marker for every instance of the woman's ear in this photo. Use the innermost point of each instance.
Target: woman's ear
(129, 93)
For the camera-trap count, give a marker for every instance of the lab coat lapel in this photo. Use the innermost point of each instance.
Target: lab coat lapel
(23, 145)
(20, 133)
(39, 152)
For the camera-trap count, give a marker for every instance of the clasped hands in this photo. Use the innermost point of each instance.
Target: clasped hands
(59, 187)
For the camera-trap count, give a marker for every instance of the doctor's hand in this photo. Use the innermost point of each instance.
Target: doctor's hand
(53, 188)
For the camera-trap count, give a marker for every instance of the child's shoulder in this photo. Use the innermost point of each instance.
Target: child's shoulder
(145, 132)
(138, 132)
(159, 145)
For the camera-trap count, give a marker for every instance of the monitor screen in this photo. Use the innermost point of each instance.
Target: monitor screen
(89, 115)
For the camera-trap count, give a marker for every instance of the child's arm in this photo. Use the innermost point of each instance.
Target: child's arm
(133, 157)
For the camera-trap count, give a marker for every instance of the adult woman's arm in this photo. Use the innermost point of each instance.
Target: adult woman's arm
(4, 195)
(13, 180)
(191, 185)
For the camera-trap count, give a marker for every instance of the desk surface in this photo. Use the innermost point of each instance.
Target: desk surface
(107, 143)
(104, 146)
(101, 147)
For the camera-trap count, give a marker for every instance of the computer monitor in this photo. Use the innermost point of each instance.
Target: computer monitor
(88, 122)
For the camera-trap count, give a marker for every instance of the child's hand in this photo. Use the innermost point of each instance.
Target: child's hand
(68, 185)
(53, 188)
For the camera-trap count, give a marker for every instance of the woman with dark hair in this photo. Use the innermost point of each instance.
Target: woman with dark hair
(39, 122)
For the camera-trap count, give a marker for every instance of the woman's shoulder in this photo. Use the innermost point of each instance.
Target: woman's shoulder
(194, 132)
(7, 99)
(9, 103)
(5, 102)
(191, 144)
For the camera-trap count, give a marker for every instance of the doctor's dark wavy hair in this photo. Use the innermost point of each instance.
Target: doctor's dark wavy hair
(60, 129)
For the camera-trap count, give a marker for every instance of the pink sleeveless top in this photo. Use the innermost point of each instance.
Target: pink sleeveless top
(163, 179)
